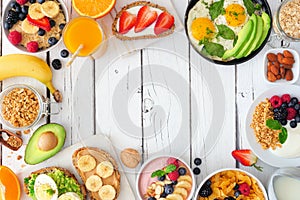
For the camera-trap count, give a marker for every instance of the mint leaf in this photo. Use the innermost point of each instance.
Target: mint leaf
(158, 173)
(170, 168)
(283, 135)
(273, 124)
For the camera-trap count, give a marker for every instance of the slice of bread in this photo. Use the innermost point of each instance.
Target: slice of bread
(139, 36)
(52, 169)
(99, 155)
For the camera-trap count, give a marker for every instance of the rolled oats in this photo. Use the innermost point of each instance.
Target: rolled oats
(289, 18)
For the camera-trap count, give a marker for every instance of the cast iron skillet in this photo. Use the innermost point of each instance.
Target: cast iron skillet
(265, 7)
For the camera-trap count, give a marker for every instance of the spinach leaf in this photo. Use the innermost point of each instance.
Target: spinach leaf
(283, 135)
(250, 6)
(225, 32)
(273, 124)
(214, 49)
(216, 9)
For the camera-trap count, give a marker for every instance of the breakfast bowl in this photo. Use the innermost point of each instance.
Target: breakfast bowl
(272, 126)
(165, 177)
(222, 38)
(34, 27)
(231, 182)
(281, 66)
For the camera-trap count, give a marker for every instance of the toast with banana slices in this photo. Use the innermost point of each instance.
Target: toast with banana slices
(99, 171)
(143, 20)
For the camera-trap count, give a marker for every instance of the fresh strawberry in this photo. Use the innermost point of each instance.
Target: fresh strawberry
(244, 188)
(286, 98)
(41, 23)
(246, 157)
(127, 22)
(173, 176)
(145, 18)
(164, 22)
(173, 161)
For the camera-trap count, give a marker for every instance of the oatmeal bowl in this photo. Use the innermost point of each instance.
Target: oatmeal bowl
(34, 26)
(231, 183)
(165, 177)
(272, 126)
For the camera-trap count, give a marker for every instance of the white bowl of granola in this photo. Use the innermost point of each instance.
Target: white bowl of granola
(165, 177)
(231, 183)
(34, 26)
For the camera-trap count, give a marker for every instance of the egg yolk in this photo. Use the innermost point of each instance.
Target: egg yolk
(203, 28)
(235, 15)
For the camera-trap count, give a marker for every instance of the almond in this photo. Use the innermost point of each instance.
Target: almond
(274, 69)
(287, 66)
(278, 76)
(272, 57)
(282, 72)
(288, 54)
(289, 75)
(280, 57)
(288, 61)
(276, 64)
(271, 77)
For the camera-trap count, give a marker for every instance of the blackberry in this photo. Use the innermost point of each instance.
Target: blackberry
(13, 4)
(12, 14)
(205, 192)
(18, 8)
(197, 161)
(281, 114)
(56, 64)
(275, 110)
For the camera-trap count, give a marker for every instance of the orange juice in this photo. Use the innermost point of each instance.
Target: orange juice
(85, 31)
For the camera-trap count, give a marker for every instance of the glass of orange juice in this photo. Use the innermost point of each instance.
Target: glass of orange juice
(85, 32)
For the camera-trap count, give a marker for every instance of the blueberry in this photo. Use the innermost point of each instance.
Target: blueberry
(294, 100)
(151, 198)
(7, 26)
(297, 118)
(236, 187)
(205, 191)
(163, 195)
(293, 124)
(284, 105)
(62, 26)
(52, 41)
(161, 178)
(41, 32)
(174, 182)
(283, 122)
(56, 64)
(297, 106)
(237, 193)
(32, 1)
(197, 161)
(169, 189)
(25, 9)
(22, 16)
(18, 8)
(291, 104)
(196, 170)
(40, 1)
(229, 198)
(52, 23)
(181, 171)
(13, 4)
(207, 183)
(64, 53)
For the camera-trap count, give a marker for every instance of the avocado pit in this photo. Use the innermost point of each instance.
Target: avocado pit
(47, 141)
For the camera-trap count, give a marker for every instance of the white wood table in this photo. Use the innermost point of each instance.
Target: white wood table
(161, 99)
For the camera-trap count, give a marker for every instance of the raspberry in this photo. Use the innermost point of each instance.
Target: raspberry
(21, 2)
(275, 101)
(173, 161)
(32, 46)
(244, 189)
(173, 176)
(286, 98)
(291, 113)
(15, 37)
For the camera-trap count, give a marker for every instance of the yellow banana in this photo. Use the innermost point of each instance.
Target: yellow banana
(26, 65)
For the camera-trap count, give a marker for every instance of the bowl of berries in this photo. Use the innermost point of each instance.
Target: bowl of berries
(272, 126)
(165, 177)
(230, 184)
(34, 26)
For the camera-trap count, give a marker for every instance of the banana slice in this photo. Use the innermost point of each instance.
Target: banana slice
(174, 197)
(184, 184)
(86, 163)
(105, 169)
(107, 192)
(185, 178)
(50, 9)
(35, 11)
(29, 28)
(69, 196)
(179, 190)
(93, 183)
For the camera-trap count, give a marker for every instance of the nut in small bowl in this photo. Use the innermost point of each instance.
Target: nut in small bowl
(165, 177)
(281, 66)
(231, 182)
(34, 27)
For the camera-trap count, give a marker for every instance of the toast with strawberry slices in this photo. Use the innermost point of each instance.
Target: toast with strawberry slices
(143, 20)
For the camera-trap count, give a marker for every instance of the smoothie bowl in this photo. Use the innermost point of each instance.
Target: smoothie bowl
(230, 184)
(34, 25)
(165, 177)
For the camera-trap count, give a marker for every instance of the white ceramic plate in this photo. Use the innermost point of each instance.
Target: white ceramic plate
(266, 155)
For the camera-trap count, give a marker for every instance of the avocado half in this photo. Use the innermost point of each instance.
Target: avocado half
(44, 143)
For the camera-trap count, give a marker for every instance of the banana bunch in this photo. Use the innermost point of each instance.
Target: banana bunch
(13, 65)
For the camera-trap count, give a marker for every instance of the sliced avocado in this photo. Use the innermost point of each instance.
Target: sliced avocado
(259, 32)
(243, 37)
(267, 25)
(44, 143)
(248, 44)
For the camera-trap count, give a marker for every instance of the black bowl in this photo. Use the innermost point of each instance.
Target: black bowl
(265, 7)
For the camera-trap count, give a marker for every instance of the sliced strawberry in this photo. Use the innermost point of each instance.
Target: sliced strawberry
(127, 22)
(164, 22)
(246, 157)
(41, 23)
(145, 18)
